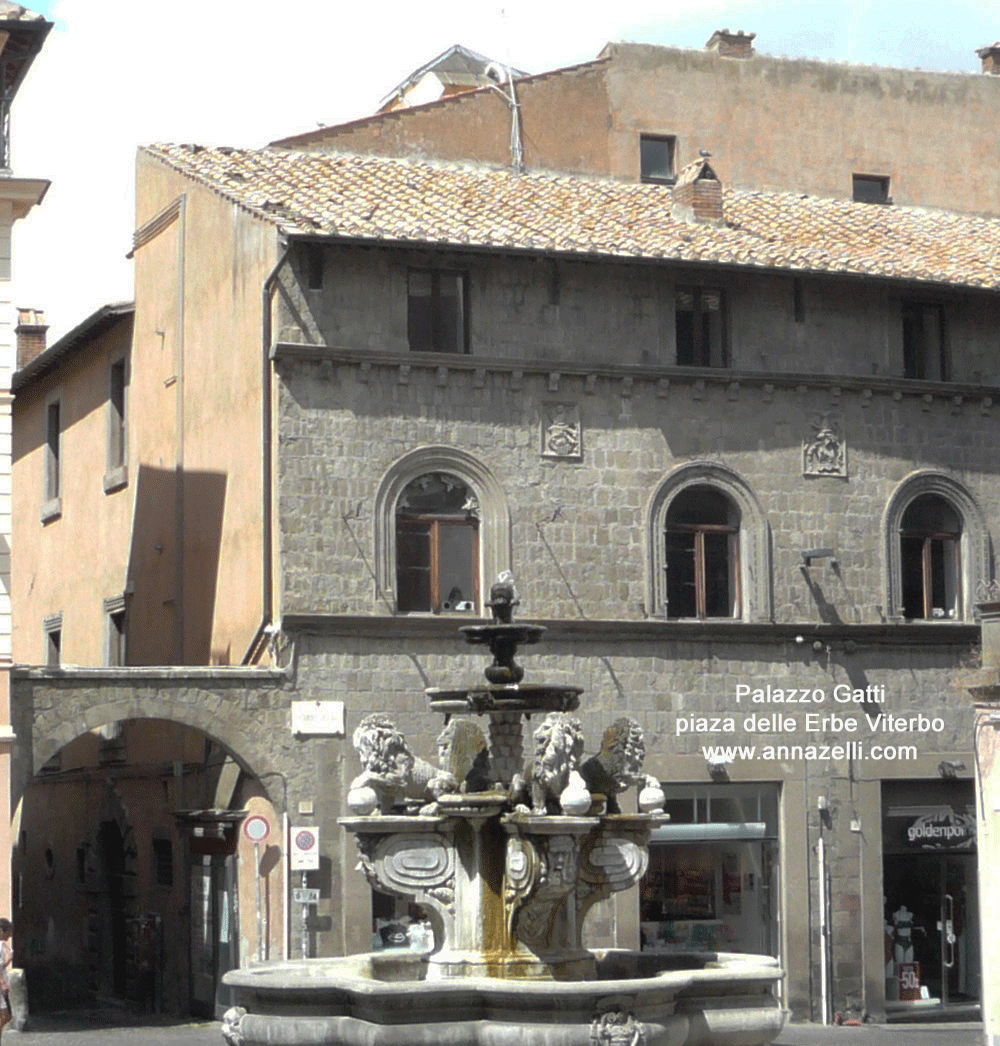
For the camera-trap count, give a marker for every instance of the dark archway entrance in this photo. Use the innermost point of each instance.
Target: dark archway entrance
(129, 871)
(112, 900)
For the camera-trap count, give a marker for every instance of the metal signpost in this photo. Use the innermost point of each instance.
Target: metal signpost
(257, 829)
(305, 858)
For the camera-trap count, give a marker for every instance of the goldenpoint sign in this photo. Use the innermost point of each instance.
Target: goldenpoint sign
(942, 831)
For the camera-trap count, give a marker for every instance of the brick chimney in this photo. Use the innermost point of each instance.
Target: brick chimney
(31, 330)
(697, 195)
(731, 45)
(991, 58)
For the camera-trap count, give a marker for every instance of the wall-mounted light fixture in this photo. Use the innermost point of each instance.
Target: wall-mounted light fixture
(811, 554)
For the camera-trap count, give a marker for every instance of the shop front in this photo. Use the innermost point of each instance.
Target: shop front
(712, 880)
(931, 919)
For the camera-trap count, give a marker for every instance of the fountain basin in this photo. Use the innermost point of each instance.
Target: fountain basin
(379, 999)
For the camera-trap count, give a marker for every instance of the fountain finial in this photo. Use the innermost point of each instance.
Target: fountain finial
(503, 598)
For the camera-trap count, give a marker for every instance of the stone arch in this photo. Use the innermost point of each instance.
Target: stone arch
(52, 708)
(754, 535)
(48, 745)
(974, 545)
(494, 513)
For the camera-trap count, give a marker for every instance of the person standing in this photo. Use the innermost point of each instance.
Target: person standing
(6, 958)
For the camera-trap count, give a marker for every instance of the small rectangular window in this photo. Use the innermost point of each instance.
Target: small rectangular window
(656, 158)
(314, 266)
(116, 638)
(53, 647)
(925, 354)
(870, 188)
(700, 322)
(53, 439)
(118, 393)
(437, 311)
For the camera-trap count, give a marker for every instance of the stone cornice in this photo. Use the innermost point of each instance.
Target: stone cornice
(175, 675)
(415, 627)
(958, 394)
(23, 193)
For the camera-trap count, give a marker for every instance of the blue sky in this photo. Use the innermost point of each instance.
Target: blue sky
(117, 73)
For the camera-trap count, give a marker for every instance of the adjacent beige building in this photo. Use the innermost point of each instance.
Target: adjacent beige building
(22, 33)
(828, 129)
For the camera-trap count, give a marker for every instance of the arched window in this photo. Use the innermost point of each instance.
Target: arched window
(442, 532)
(936, 548)
(709, 547)
(702, 556)
(437, 545)
(930, 559)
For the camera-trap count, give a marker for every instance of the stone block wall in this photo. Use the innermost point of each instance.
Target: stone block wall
(661, 678)
(582, 528)
(556, 310)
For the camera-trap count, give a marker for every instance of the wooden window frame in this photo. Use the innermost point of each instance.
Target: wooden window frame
(700, 572)
(701, 353)
(915, 365)
(926, 570)
(436, 345)
(657, 179)
(434, 522)
(881, 182)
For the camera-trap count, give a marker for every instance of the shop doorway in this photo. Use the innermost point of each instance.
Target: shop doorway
(932, 930)
(930, 886)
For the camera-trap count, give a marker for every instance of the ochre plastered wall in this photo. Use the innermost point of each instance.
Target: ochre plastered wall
(769, 123)
(70, 564)
(198, 383)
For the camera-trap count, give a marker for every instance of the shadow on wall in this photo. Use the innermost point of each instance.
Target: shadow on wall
(173, 566)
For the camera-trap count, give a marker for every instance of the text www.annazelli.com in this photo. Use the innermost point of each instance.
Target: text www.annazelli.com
(787, 753)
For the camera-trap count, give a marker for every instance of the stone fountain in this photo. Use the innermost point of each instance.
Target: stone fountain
(507, 856)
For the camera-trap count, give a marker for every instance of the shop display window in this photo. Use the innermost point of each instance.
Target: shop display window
(712, 880)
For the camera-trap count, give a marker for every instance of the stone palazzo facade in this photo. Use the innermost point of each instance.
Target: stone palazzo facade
(739, 457)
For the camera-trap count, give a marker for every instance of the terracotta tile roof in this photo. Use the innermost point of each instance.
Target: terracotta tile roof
(369, 198)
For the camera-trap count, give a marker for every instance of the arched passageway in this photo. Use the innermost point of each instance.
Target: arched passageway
(129, 867)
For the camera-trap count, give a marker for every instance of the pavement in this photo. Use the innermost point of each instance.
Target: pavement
(970, 1034)
(89, 1028)
(79, 1028)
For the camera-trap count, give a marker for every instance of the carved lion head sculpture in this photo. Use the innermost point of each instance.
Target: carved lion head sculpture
(623, 752)
(558, 747)
(382, 748)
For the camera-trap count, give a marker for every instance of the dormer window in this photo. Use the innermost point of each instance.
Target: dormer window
(656, 158)
(871, 188)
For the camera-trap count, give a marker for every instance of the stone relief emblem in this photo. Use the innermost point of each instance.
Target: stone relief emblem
(825, 453)
(617, 1028)
(562, 435)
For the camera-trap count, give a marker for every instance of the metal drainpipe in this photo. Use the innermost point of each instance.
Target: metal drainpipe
(179, 476)
(265, 429)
